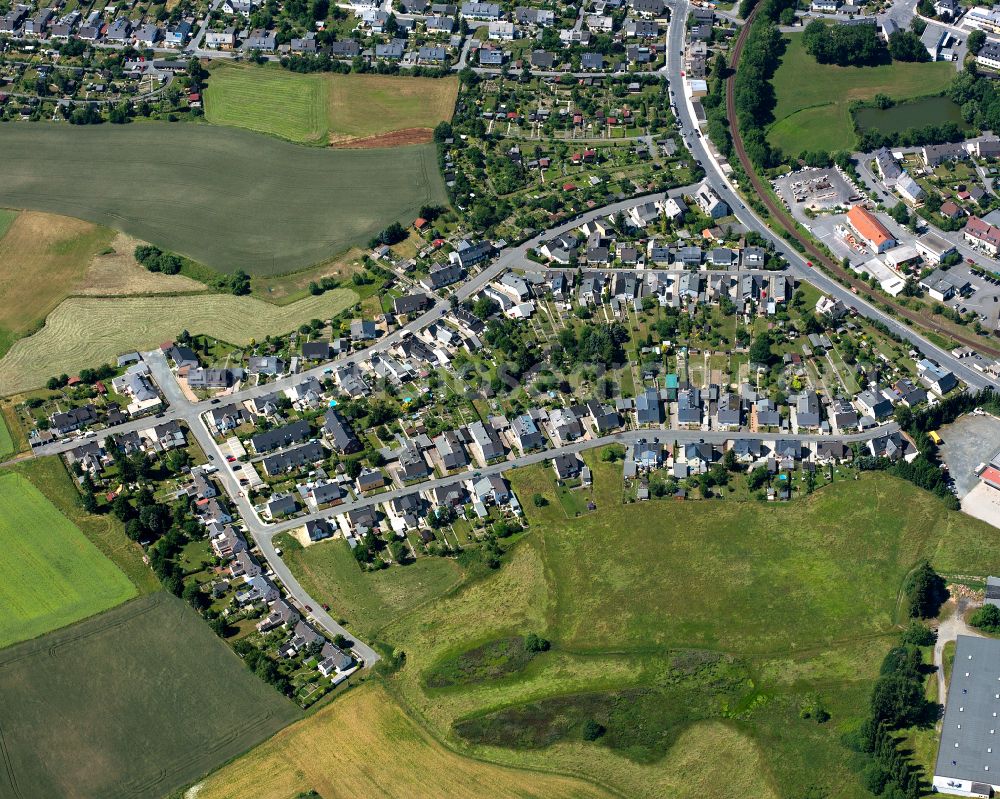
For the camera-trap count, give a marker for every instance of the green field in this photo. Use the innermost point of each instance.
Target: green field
(812, 108)
(6, 442)
(89, 331)
(50, 574)
(318, 108)
(686, 629)
(227, 198)
(268, 100)
(51, 477)
(329, 569)
(134, 703)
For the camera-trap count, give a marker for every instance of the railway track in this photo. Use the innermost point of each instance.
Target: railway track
(782, 217)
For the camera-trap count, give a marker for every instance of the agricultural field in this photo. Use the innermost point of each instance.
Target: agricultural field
(227, 198)
(678, 632)
(51, 575)
(89, 331)
(322, 108)
(42, 256)
(268, 99)
(812, 109)
(51, 477)
(136, 702)
(363, 744)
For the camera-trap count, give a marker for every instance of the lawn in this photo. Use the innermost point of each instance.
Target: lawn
(687, 629)
(6, 442)
(227, 198)
(51, 575)
(812, 110)
(364, 745)
(321, 107)
(88, 331)
(136, 703)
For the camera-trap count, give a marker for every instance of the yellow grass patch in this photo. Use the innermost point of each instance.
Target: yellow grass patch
(117, 273)
(42, 258)
(89, 331)
(364, 745)
(370, 105)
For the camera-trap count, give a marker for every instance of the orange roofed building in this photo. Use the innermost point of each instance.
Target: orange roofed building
(867, 226)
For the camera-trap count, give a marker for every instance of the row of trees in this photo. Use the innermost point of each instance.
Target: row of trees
(897, 701)
(754, 97)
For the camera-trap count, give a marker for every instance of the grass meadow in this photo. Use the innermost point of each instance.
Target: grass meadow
(42, 256)
(50, 575)
(687, 629)
(227, 198)
(6, 440)
(812, 109)
(329, 569)
(364, 745)
(88, 331)
(321, 108)
(134, 703)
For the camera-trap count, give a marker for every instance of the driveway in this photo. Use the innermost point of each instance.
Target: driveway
(949, 630)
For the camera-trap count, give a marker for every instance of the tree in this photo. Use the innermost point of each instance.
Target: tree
(897, 701)
(976, 41)
(535, 643)
(194, 596)
(900, 213)
(592, 730)
(906, 46)
(926, 592)
(760, 349)
(987, 618)
(539, 500)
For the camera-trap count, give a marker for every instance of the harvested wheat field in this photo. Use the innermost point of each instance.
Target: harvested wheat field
(88, 331)
(42, 258)
(117, 273)
(364, 745)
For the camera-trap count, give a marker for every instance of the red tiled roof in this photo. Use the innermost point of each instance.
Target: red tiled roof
(867, 226)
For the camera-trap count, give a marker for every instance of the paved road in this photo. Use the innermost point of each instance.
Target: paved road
(949, 630)
(666, 436)
(797, 263)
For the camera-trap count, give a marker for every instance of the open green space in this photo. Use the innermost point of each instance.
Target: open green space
(50, 574)
(134, 703)
(6, 441)
(268, 100)
(87, 331)
(681, 629)
(374, 599)
(226, 198)
(50, 476)
(316, 108)
(812, 110)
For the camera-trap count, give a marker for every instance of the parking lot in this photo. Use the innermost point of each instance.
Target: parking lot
(984, 299)
(969, 441)
(817, 190)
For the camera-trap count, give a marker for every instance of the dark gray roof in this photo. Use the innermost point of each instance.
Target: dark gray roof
(281, 436)
(970, 730)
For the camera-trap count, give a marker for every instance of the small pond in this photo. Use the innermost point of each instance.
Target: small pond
(913, 114)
